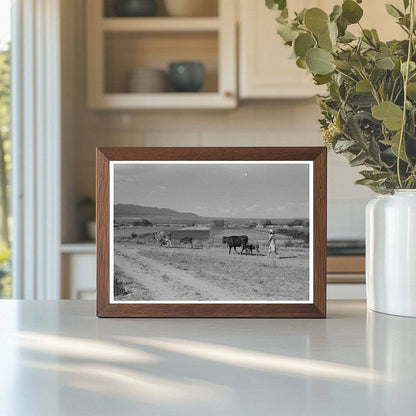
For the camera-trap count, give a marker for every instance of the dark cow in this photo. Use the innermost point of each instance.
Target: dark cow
(236, 241)
(253, 246)
(186, 240)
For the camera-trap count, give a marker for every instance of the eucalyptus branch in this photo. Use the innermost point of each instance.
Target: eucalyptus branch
(373, 89)
(346, 75)
(364, 110)
(406, 80)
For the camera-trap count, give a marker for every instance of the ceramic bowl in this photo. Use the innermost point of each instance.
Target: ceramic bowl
(147, 80)
(135, 8)
(186, 76)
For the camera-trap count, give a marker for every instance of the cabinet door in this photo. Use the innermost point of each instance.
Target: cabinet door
(265, 68)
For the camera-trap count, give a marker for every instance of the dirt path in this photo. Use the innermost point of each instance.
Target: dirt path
(163, 281)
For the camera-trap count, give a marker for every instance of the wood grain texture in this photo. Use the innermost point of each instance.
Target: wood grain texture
(346, 264)
(317, 309)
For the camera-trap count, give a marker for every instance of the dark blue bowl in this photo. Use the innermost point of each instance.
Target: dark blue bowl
(136, 8)
(186, 76)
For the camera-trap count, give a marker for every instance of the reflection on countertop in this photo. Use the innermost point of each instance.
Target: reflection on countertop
(63, 360)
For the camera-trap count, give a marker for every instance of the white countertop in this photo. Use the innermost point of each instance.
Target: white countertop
(57, 359)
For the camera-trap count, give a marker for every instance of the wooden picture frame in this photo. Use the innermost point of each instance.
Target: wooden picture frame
(315, 307)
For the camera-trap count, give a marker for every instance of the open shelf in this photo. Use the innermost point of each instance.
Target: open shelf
(195, 101)
(127, 51)
(80, 247)
(160, 24)
(116, 46)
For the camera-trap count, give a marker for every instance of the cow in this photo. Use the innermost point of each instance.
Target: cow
(186, 240)
(253, 246)
(163, 238)
(236, 241)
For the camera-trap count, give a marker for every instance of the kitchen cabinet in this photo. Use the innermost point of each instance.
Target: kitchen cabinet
(118, 45)
(78, 264)
(265, 70)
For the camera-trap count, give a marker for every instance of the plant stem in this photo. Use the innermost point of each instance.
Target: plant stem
(373, 90)
(406, 80)
(346, 75)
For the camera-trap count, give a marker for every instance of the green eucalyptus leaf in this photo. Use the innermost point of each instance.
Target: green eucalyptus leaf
(374, 150)
(411, 90)
(361, 99)
(276, 4)
(374, 175)
(333, 32)
(300, 17)
(303, 43)
(368, 36)
(394, 144)
(385, 63)
(336, 12)
(412, 67)
(351, 11)
(393, 11)
(286, 32)
(320, 61)
(396, 71)
(316, 20)
(342, 25)
(325, 42)
(343, 145)
(365, 182)
(283, 17)
(321, 79)
(347, 37)
(363, 86)
(343, 65)
(301, 63)
(375, 35)
(358, 160)
(388, 112)
(358, 61)
(377, 75)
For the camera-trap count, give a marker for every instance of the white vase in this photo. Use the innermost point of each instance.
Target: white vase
(391, 253)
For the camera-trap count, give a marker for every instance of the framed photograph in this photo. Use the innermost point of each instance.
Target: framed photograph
(211, 232)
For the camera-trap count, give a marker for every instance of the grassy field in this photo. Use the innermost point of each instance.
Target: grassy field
(206, 272)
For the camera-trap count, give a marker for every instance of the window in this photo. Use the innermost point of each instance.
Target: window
(5, 145)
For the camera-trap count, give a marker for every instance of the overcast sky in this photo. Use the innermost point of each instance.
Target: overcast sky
(217, 190)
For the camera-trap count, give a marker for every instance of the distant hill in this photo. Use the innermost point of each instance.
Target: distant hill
(137, 211)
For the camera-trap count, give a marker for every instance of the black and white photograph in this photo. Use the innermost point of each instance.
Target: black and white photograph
(211, 232)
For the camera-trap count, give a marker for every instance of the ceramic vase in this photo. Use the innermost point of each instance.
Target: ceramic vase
(391, 253)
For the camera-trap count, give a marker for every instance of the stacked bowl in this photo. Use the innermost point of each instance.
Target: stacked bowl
(147, 80)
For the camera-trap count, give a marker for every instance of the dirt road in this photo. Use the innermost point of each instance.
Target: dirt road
(154, 280)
